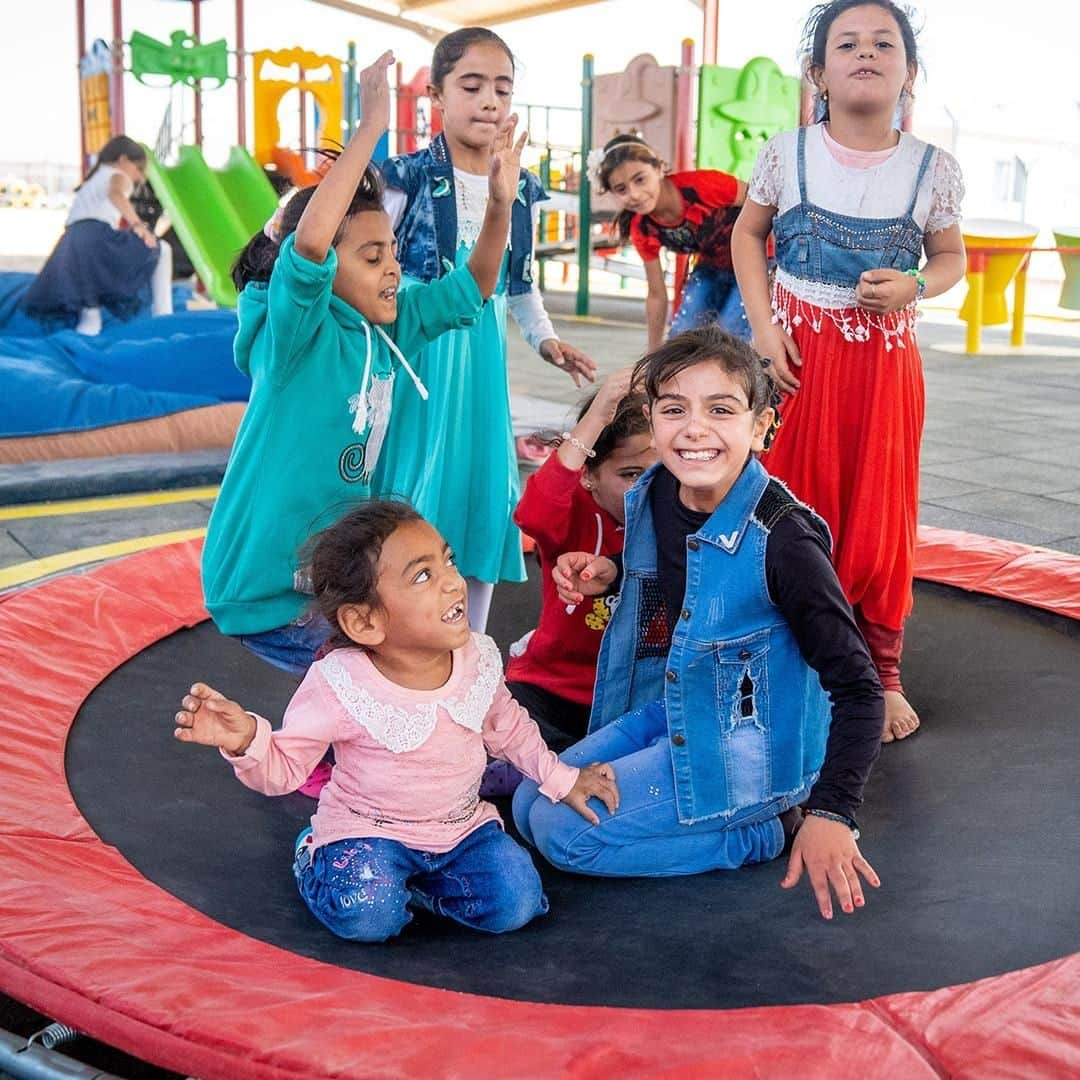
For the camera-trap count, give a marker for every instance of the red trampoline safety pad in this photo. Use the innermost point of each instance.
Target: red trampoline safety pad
(86, 939)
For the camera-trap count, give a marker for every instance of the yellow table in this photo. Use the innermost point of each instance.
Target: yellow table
(990, 272)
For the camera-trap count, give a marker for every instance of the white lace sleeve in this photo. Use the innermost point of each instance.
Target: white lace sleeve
(767, 182)
(948, 193)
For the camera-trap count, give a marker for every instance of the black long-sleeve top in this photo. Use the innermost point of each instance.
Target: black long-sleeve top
(803, 584)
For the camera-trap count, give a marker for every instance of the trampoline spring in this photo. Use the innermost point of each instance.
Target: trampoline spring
(56, 1034)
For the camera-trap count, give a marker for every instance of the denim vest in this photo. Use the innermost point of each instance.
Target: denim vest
(747, 717)
(427, 235)
(816, 244)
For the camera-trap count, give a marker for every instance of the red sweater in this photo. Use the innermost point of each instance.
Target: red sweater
(560, 516)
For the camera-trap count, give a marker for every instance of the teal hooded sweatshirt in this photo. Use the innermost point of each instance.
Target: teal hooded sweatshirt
(320, 377)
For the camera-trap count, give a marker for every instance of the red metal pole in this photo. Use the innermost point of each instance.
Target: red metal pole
(196, 29)
(80, 34)
(117, 82)
(712, 26)
(241, 77)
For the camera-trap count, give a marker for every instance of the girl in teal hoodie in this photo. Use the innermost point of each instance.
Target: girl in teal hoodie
(323, 335)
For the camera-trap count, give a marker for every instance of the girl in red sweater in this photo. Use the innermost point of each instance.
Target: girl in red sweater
(573, 502)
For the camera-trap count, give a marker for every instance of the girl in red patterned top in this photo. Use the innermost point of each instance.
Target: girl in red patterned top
(691, 213)
(575, 501)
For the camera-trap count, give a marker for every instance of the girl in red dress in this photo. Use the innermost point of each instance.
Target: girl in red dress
(853, 205)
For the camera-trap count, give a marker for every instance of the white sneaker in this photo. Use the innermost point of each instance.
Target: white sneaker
(89, 322)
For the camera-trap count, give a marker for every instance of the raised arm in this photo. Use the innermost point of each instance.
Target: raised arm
(323, 215)
(486, 259)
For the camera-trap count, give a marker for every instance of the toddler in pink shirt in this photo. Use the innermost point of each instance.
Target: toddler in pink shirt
(412, 703)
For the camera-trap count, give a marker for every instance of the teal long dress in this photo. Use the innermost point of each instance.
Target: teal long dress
(453, 455)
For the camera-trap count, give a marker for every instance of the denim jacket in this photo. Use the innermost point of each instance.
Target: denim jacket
(816, 244)
(427, 234)
(747, 717)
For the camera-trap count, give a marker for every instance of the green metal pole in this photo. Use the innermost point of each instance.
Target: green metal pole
(350, 93)
(545, 179)
(584, 251)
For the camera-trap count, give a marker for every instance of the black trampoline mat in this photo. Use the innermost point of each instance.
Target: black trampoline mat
(972, 826)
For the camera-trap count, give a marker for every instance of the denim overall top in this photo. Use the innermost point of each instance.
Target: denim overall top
(747, 717)
(427, 235)
(821, 245)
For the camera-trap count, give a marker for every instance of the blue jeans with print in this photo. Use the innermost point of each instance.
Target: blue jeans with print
(644, 837)
(291, 648)
(363, 889)
(711, 295)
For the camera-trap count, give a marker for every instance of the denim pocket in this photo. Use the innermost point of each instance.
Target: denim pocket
(742, 709)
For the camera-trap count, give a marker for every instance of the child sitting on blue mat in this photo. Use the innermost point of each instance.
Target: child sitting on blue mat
(95, 263)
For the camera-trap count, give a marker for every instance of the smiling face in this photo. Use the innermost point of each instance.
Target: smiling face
(866, 66)
(705, 431)
(368, 273)
(609, 481)
(421, 593)
(636, 186)
(474, 98)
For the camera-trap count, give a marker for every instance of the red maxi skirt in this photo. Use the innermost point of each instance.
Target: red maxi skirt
(848, 446)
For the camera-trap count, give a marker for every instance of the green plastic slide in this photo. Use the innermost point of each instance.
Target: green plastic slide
(215, 211)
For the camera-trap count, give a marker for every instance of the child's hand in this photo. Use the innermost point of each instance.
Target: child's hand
(828, 852)
(209, 718)
(375, 94)
(570, 359)
(594, 781)
(776, 346)
(145, 234)
(578, 574)
(505, 167)
(612, 390)
(886, 291)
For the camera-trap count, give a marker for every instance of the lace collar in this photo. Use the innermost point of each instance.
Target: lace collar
(404, 728)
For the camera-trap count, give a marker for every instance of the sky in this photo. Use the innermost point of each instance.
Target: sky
(987, 57)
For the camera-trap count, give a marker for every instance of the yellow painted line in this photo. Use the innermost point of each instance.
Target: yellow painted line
(108, 502)
(21, 573)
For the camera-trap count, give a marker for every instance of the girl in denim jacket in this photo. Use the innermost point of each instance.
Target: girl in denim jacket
(733, 686)
(852, 204)
(454, 456)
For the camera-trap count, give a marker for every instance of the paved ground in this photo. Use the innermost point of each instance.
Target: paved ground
(1001, 454)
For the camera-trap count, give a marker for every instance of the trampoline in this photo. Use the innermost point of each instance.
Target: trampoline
(146, 897)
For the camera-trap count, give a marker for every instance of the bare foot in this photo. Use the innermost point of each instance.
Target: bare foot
(901, 719)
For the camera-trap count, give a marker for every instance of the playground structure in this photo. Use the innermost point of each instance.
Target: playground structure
(738, 109)
(216, 211)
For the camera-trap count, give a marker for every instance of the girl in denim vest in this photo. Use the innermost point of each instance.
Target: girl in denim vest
(853, 204)
(453, 457)
(323, 334)
(410, 700)
(732, 686)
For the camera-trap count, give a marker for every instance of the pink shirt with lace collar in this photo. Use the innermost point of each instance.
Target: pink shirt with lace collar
(408, 762)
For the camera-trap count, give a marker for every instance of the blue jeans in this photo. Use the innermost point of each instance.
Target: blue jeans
(291, 648)
(711, 295)
(363, 889)
(644, 837)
